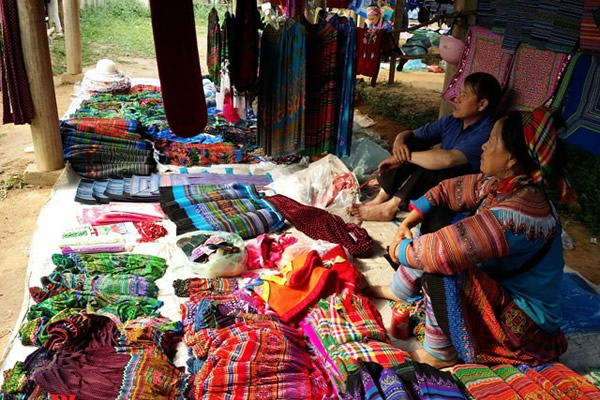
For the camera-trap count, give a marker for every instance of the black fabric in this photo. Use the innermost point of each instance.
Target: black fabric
(176, 46)
(439, 218)
(433, 285)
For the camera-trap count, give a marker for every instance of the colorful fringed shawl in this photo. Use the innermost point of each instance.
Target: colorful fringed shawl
(534, 76)
(483, 53)
(213, 52)
(578, 99)
(590, 31)
(282, 90)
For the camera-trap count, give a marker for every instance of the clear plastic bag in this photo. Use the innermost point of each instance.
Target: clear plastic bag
(227, 265)
(365, 158)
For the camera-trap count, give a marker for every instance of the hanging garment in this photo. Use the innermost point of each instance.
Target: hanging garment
(590, 27)
(176, 47)
(566, 28)
(534, 76)
(244, 58)
(346, 81)
(483, 53)
(321, 59)
(319, 224)
(369, 48)
(282, 90)
(578, 99)
(213, 51)
(518, 24)
(16, 97)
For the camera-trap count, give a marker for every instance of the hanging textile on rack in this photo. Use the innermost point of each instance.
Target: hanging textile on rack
(590, 27)
(244, 58)
(534, 76)
(483, 53)
(346, 72)
(282, 89)
(213, 52)
(178, 61)
(16, 97)
(566, 27)
(578, 99)
(321, 59)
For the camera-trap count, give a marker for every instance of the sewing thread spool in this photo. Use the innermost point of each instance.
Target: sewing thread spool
(400, 328)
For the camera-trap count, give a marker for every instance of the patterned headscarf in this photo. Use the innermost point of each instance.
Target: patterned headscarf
(541, 140)
(373, 10)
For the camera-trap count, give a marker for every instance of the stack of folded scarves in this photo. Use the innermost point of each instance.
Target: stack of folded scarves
(234, 208)
(344, 328)
(104, 148)
(134, 189)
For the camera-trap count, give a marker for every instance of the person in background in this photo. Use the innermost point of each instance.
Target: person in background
(375, 19)
(491, 282)
(415, 166)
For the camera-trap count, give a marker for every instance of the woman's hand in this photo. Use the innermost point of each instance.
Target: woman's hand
(402, 233)
(400, 150)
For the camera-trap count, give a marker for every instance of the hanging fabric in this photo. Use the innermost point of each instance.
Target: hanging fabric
(590, 27)
(16, 97)
(346, 83)
(321, 57)
(282, 90)
(369, 47)
(244, 58)
(178, 62)
(213, 52)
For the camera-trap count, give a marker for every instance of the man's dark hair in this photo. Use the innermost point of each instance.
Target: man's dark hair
(486, 87)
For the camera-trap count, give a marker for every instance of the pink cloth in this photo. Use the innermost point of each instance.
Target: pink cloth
(122, 212)
(265, 252)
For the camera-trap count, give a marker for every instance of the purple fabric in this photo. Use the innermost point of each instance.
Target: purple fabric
(16, 97)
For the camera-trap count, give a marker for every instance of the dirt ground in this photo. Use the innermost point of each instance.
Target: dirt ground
(20, 209)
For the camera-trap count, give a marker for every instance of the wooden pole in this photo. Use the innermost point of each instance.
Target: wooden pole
(72, 36)
(36, 53)
(459, 31)
(398, 23)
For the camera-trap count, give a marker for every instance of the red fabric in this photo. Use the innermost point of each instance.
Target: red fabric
(348, 277)
(319, 224)
(369, 47)
(178, 62)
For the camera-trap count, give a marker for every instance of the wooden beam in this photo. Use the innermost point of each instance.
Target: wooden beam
(36, 53)
(72, 36)
(459, 31)
(398, 23)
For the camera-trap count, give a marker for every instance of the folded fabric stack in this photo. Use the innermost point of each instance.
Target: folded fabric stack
(241, 355)
(345, 328)
(115, 213)
(134, 189)
(234, 208)
(105, 149)
(547, 381)
(207, 178)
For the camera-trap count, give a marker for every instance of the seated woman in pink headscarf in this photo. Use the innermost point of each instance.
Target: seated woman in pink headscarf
(375, 19)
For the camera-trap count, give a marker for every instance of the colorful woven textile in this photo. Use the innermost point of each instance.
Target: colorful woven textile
(248, 356)
(346, 73)
(534, 76)
(220, 208)
(213, 179)
(16, 97)
(483, 53)
(282, 90)
(549, 381)
(319, 224)
(566, 28)
(578, 99)
(114, 127)
(198, 286)
(321, 66)
(590, 29)
(213, 51)
(150, 267)
(344, 328)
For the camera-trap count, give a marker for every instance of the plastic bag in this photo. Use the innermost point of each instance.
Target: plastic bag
(414, 65)
(365, 158)
(316, 186)
(224, 266)
(580, 306)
